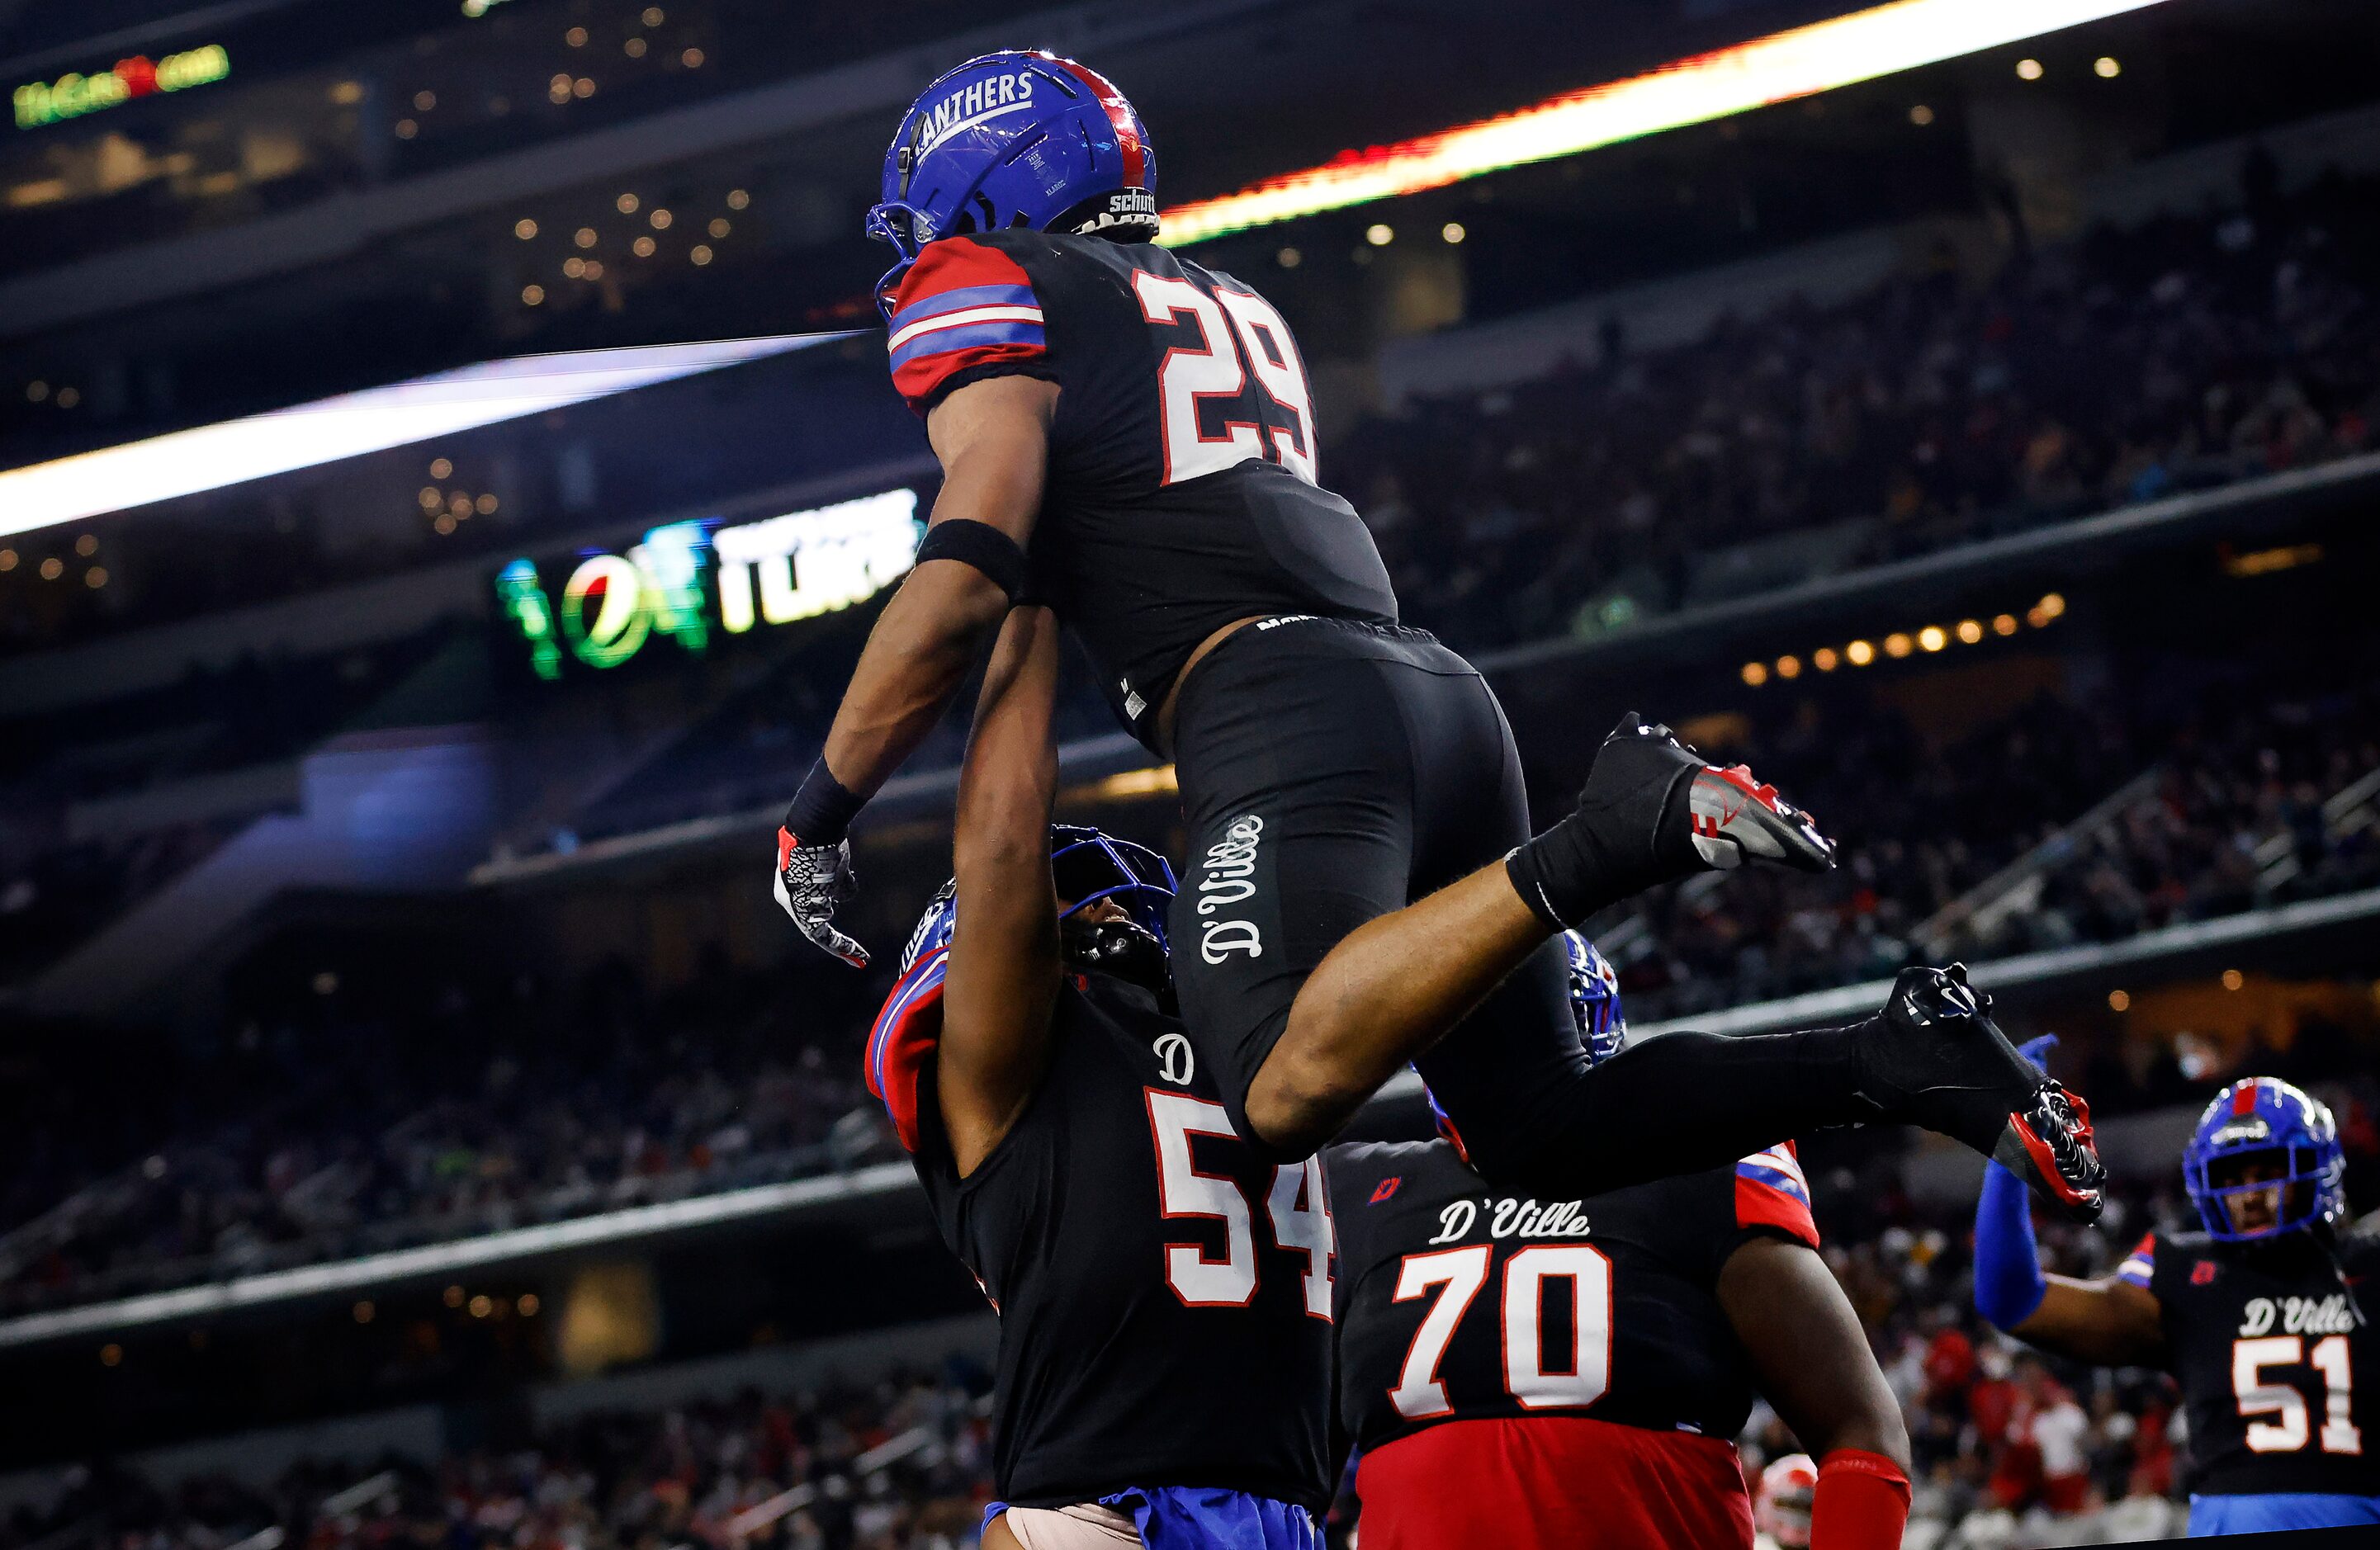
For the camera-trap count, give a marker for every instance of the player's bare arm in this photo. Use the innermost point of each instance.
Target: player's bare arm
(2109, 1323)
(991, 438)
(1813, 1364)
(1811, 1356)
(1004, 967)
(993, 441)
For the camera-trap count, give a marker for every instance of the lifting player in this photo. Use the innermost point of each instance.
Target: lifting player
(1131, 438)
(2258, 1316)
(1535, 1374)
(1163, 1291)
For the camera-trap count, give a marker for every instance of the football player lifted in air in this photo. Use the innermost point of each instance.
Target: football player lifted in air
(1163, 1291)
(1538, 1374)
(1130, 438)
(2259, 1316)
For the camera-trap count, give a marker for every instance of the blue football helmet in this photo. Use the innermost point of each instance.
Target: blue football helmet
(1087, 865)
(1016, 139)
(2263, 1119)
(1594, 1000)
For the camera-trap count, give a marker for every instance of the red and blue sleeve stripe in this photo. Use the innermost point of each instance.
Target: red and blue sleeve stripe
(1772, 1191)
(2140, 1265)
(962, 306)
(903, 1040)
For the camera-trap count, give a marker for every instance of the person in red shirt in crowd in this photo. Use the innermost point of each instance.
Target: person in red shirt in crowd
(1992, 1399)
(1949, 1360)
(2152, 1452)
(2056, 1428)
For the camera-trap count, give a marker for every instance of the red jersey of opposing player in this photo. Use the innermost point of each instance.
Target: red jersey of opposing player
(1539, 1375)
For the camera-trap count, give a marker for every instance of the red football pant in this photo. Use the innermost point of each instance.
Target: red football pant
(1553, 1483)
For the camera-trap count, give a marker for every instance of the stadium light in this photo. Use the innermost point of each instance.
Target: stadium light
(233, 452)
(1798, 63)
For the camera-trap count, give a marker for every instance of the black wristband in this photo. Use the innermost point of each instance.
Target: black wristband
(821, 813)
(981, 545)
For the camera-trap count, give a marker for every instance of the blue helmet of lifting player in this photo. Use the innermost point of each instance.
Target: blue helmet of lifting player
(1595, 999)
(1021, 138)
(1088, 866)
(1127, 941)
(2266, 1150)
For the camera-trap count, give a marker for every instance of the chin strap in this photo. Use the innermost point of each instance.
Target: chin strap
(1862, 1502)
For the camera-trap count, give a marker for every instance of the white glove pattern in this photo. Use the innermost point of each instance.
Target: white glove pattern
(811, 881)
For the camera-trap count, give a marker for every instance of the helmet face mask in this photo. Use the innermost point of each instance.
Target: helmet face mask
(2264, 1160)
(2250, 1186)
(1018, 139)
(1126, 937)
(1089, 868)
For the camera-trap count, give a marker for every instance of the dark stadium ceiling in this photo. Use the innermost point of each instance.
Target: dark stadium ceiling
(219, 316)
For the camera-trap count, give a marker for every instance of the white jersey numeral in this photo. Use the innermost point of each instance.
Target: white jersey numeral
(2331, 1359)
(1253, 338)
(1272, 355)
(1298, 1206)
(1581, 1378)
(1585, 1375)
(1418, 1395)
(1201, 1282)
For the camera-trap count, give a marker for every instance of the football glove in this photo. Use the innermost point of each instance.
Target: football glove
(811, 881)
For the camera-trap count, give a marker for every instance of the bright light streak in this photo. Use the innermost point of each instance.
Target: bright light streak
(211, 456)
(1798, 62)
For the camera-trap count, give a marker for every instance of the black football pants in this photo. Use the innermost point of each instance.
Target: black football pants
(1333, 772)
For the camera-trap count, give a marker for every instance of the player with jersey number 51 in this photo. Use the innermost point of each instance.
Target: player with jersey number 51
(2261, 1315)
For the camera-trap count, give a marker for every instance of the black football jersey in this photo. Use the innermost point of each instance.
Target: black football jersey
(2278, 1362)
(1181, 492)
(1456, 1303)
(1164, 1294)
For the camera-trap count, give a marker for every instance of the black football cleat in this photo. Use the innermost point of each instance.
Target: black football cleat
(1935, 1058)
(1695, 815)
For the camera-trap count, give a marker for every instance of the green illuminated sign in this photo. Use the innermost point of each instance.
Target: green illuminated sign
(774, 572)
(71, 96)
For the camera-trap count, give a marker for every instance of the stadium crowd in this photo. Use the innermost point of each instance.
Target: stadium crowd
(2180, 354)
(2207, 794)
(2011, 1449)
(315, 1134)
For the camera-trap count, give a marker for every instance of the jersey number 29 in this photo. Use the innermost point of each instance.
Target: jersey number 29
(1254, 341)
(1579, 1379)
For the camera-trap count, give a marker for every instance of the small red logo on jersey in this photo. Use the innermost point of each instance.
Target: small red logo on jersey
(1386, 1187)
(2202, 1273)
